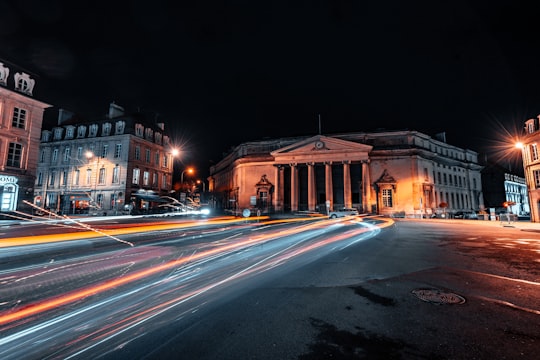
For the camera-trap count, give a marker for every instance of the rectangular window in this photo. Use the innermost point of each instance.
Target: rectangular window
(147, 157)
(137, 153)
(534, 152)
(14, 155)
(136, 175)
(64, 177)
(88, 177)
(79, 152)
(101, 177)
(40, 179)
(164, 184)
(156, 158)
(76, 175)
(67, 153)
(54, 157)
(19, 118)
(154, 180)
(52, 178)
(100, 201)
(116, 175)
(387, 198)
(118, 150)
(146, 178)
(536, 175)
(104, 151)
(165, 160)
(42, 156)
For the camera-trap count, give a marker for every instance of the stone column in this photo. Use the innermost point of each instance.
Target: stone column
(347, 193)
(294, 187)
(280, 192)
(312, 196)
(366, 187)
(328, 183)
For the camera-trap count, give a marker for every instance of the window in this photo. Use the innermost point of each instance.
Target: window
(165, 160)
(79, 152)
(147, 158)
(139, 130)
(54, 157)
(164, 181)
(69, 132)
(19, 118)
(154, 180)
(118, 150)
(387, 198)
(116, 175)
(14, 155)
(119, 127)
(52, 178)
(136, 175)
(104, 150)
(76, 175)
(101, 177)
(42, 156)
(39, 181)
(81, 131)
(156, 158)
(106, 129)
(536, 175)
(146, 178)
(88, 176)
(67, 153)
(137, 153)
(64, 178)
(100, 201)
(426, 176)
(534, 152)
(58, 133)
(93, 130)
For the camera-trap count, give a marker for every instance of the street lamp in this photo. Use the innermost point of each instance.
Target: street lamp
(189, 171)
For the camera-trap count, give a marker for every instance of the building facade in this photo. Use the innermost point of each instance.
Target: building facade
(531, 165)
(118, 164)
(503, 191)
(394, 173)
(21, 118)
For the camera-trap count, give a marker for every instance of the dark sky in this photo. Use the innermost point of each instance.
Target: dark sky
(223, 72)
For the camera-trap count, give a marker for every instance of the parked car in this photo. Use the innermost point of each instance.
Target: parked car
(343, 212)
(465, 215)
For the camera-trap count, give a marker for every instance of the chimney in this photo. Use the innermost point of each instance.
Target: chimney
(64, 115)
(115, 110)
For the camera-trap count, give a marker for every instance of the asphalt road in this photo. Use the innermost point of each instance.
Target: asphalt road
(396, 296)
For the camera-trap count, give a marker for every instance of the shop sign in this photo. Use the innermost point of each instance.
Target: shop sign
(6, 179)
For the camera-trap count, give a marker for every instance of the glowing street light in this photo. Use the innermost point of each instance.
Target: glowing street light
(189, 171)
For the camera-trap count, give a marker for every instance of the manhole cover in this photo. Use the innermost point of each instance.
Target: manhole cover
(438, 296)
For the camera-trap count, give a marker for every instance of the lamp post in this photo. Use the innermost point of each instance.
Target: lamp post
(189, 171)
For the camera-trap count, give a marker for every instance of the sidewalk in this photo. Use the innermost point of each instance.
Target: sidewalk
(520, 224)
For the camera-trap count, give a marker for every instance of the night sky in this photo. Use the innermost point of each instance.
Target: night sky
(219, 73)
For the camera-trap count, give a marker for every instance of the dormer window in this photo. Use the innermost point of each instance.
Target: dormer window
(149, 134)
(120, 126)
(81, 131)
(70, 131)
(93, 129)
(24, 83)
(58, 133)
(106, 130)
(158, 138)
(45, 135)
(139, 130)
(165, 140)
(4, 74)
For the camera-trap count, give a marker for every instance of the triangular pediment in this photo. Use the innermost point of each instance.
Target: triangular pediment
(322, 148)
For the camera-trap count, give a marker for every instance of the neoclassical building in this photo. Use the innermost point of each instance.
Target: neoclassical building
(21, 117)
(394, 173)
(121, 162)
(531, 164)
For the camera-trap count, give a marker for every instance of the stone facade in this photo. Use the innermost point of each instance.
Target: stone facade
(21, 118)
(118, 164)
(394, 173)
(531, 165)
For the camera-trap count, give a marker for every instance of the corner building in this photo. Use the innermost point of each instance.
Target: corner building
(121, 163)
(393, 173)
(531, 165)
(21, 118)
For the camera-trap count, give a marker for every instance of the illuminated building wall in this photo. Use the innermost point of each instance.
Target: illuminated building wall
(21, 118)
(109, 166)
(395, 173)
(531, 165)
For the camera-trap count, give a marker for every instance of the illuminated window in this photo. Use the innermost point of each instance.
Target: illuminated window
(116, 175)
(534, 152)
(14, 155)
(76, 175)
(136, 175)
(146, 178)
(536, 175)
(387, 199)
(101, 177)
(88, 176)
(19, 118)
